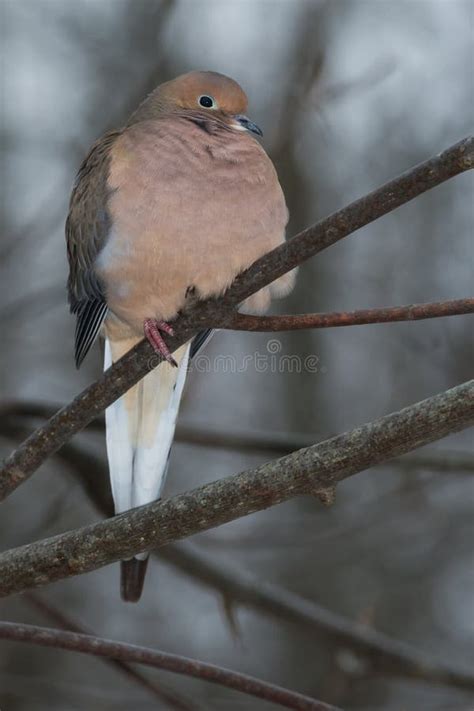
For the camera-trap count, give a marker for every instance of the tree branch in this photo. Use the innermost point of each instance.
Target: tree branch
(315, 470)
(217, 312)
(296, 322)
(100, 647)
(158, 691)
(381, 654)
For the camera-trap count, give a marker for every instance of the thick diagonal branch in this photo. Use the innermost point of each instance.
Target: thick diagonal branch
(217, 312)
(381, 654)
(315, 470)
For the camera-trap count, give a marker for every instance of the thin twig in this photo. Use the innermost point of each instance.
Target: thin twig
(412, 312)
(217, 312)
(100, 647)
(64, 621)
(315, 470)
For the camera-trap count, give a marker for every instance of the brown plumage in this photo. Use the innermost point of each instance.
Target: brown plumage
(87, 229)
(182, 197)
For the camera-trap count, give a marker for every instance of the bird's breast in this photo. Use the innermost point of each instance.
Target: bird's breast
(188, 209)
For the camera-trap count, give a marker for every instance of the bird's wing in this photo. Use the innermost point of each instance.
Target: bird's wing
(87, 227)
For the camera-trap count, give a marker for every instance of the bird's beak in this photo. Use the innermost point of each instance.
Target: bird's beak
(248, 125)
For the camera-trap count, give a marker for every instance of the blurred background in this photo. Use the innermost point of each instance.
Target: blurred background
(349, 94)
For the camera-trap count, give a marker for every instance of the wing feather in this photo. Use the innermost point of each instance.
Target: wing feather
(87, 228)
(90, 318)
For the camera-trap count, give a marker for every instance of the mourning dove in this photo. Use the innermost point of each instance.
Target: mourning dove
(180, 200)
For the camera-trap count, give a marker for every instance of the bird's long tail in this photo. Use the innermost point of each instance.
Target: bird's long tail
(140, 428)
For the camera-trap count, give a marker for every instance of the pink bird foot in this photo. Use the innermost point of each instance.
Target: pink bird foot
(152, 330)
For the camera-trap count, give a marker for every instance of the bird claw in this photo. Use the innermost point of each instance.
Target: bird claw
(152, 330)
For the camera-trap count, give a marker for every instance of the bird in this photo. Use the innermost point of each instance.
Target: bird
(177, 202)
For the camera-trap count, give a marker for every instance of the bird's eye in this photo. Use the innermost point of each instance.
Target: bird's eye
(206, 101)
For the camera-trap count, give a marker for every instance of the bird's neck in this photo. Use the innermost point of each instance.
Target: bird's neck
(155, 107)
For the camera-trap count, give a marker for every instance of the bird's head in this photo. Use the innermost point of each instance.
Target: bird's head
(205, 96)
